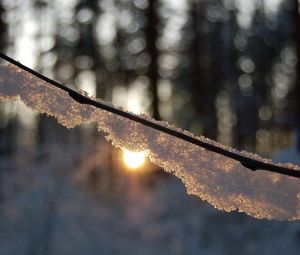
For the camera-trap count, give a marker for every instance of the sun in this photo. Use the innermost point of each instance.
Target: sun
(134, 160)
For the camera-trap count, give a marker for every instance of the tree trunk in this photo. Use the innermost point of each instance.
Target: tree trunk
(151, 37)
(297, 45)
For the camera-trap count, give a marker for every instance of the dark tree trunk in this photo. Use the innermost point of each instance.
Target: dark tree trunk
(216, 81)
(8, 126)
(202, 87)
(198, 86)
(151, 37)
(3, 25)
(297, 44)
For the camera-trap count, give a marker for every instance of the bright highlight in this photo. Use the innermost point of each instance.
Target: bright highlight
(132, 159)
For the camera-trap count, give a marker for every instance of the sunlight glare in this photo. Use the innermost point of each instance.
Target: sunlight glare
(134, 160)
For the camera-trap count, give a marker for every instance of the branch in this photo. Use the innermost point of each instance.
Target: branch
(248, 162)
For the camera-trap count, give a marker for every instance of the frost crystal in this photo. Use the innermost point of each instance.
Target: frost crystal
(221, 181)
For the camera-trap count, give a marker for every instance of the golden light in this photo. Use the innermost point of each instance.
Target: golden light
(134, 160)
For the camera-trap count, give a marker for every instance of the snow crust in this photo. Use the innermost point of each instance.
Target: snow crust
(221, 181)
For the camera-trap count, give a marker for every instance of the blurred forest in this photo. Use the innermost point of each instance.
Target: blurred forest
(212, 67)
(225, 69)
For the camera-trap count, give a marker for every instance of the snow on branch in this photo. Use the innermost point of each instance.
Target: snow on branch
(218, 178)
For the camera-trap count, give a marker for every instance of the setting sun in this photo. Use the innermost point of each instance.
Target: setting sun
(133, 160)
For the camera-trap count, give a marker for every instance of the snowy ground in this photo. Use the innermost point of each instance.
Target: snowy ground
(52, 203)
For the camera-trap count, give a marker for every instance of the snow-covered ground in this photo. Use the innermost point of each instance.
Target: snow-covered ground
(65, 203)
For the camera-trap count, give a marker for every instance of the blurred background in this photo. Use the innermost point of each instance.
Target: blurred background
(225, 69)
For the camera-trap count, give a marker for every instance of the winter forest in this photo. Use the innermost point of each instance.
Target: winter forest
(226, 70)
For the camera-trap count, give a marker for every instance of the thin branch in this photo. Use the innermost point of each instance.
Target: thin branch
(247, 162)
